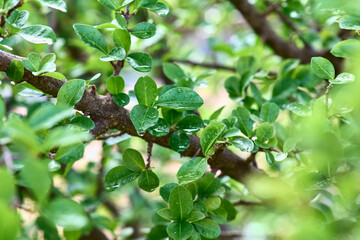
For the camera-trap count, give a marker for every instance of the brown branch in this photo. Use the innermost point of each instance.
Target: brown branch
(247, 203)
(262, 28)
(109, 135)
(271, 149)
(205, 65)
(292, 26)
(108, 115)
(19, 4)
(149, 151)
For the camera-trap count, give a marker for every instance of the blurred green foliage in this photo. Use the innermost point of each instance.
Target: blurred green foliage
(296, 124)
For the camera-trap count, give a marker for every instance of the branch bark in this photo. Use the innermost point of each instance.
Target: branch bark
(262, 28)
(107, 115)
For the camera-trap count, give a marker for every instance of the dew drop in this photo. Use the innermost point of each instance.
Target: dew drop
(54, 166)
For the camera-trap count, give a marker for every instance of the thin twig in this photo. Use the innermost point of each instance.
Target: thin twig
(271, 149)
(205, 65)
(247, 203)
(7, 158)
(251, 158)
(149, 151)
(197, 153)
(109, 135)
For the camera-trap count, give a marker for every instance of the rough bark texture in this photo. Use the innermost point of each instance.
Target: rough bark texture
(107, 115)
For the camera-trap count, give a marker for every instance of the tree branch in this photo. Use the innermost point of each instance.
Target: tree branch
(108, 115)
(205, 65)
(262, 28)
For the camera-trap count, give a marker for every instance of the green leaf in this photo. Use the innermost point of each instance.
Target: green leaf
(143, 117)
(346, 49)
(145, 91)
(166, 213)
(83, 122)
(229, 208)
(133, 160)
(15, 70)
(33, 63)
(244, 144)
(231, 132)
(64, 136)
(179, 141)
(71, 92)
(219, 215)
(148, 181)
(48, 115)
(244, 122)
(289, 144)
(112, 4)
(216, 114)
(269, 112)
(264, 132)
(38, 34)
(256, 94)
(192, 170)
(56, 4)
(209, 184)
(70, 153)
(207, 228)
(35, 176)
(173, 72)
(213, 202)
(210, 134)
(180, 230)
(91, 37)
(7, 185)
(118, 177)
(9, 228)
(157, 233)
(120, 19)
(180, 202)
(172, 116)
(122, 39)
(18, 18)
(159, 8)
(180, 98)
(350, 23)
(166, 190)
(234, 87)
(190, 124)
(195, 235)
(141, 62)
(115, 54)
(269, 157)
(144, 30)
(67, 214)
(195, 216)
(343, 78)
(121, 99)
(246, 64)
(322, 68)
(115, 85)
(160, 129)
(299, 109)
(200, 206)
(55, 75)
